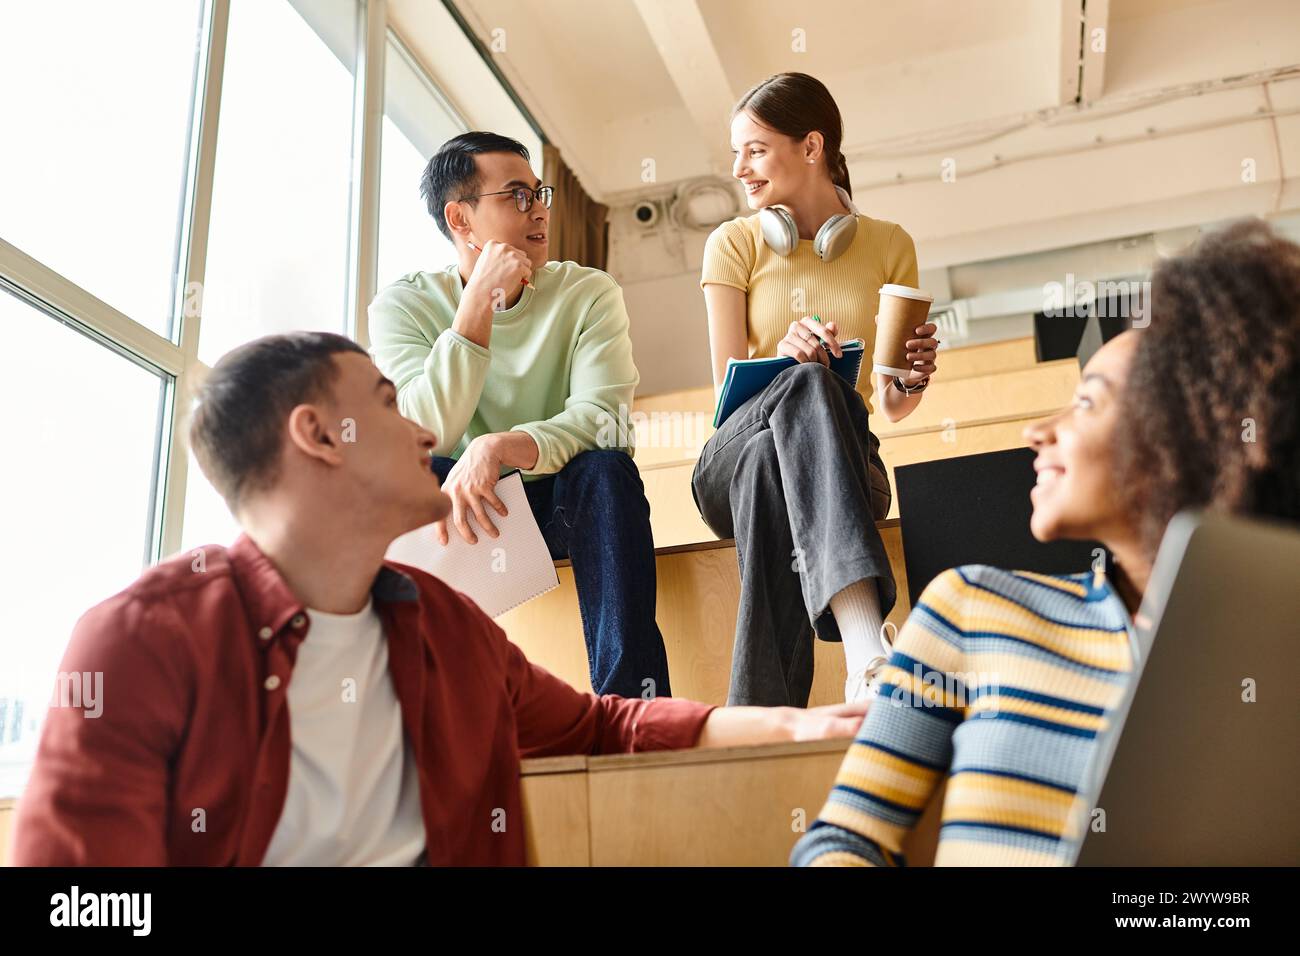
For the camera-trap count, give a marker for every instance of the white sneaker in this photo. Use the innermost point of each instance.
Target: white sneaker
(863, 684)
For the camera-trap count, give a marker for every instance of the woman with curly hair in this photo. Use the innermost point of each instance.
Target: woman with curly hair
(1000, 681)
(1224, 365)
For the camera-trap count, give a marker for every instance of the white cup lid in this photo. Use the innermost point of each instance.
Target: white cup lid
(905, 292)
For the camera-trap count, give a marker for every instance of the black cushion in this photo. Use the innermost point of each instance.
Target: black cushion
(1056, 336)
(975, 510)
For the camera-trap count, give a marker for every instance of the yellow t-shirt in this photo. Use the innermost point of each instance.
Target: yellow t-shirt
(782, 289)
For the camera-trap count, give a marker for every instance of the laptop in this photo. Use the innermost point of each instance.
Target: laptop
(1200, 766)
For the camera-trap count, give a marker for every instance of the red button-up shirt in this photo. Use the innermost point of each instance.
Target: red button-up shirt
(188, 762)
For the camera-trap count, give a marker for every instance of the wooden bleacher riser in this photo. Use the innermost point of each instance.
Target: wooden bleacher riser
(968, 362)
(719, 807)
(984, 360)
(674, 435)
(698, 594)
(984, 405)
(674, 519)
(713, 807)
(1030, 392)
(739, 806)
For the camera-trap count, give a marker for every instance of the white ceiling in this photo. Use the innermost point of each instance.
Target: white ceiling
(1189, 115)
(593, 74)
(845, 37)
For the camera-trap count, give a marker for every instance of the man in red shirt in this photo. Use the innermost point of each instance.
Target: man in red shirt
(296, 699)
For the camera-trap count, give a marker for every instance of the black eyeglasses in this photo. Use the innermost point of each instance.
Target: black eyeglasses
(523, 196)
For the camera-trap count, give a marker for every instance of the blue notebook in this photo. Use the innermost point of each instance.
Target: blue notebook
(747, 377)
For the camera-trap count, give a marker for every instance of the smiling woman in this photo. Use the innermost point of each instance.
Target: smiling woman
(798, 465)
(1075, 495)
(1041, 658)
(1127, 453)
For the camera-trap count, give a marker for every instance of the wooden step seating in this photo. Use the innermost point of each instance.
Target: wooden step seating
(736, 806)
(728, 807)
(677, 424)
(698, 595)
(675, 520)
(669, 435)
(954, 364)
(964, 416)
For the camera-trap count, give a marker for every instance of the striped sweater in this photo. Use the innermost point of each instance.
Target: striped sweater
(999, 680)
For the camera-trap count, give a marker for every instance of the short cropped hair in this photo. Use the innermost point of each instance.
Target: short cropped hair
(239, 420)
(453, 174)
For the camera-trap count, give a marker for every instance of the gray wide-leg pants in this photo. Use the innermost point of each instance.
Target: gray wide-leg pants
(795, 476)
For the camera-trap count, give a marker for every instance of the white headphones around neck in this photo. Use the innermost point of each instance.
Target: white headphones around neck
(835, 235)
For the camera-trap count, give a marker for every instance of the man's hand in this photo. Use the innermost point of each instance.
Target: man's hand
(499, 271)
(471, 484)
(745, 726)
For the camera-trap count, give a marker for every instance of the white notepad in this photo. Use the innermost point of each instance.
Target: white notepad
(497, 573)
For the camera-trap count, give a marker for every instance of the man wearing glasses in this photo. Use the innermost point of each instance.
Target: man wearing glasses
(517, 362)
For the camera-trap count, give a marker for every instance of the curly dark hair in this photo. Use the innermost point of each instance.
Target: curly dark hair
(1212, 404)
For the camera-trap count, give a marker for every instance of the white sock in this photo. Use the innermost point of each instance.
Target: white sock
(857, 613)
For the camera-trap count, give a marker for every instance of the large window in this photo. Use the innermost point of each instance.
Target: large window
(417, 120)
(278, 247)
(178, 141)
(80, 435)
(96, 110)
(207, 519)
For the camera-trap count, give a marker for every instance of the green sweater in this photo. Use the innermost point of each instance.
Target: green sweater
(558, 367)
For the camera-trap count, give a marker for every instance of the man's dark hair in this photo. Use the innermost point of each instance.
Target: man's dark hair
(238, 425)
(452, 173)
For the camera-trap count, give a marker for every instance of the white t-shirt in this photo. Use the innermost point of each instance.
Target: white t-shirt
(354, 795)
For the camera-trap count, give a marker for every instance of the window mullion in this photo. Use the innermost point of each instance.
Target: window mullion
(40, 284)
(189, 303)
(367, 130)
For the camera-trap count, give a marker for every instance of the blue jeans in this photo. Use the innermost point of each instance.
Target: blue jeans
(594, 512)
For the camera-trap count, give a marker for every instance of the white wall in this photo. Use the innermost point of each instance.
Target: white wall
(1080, 184)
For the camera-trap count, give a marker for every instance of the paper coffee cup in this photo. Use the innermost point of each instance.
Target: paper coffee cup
(902, 309)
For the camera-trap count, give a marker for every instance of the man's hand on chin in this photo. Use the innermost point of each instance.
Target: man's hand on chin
(743, 726)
